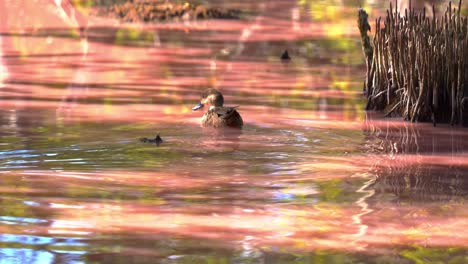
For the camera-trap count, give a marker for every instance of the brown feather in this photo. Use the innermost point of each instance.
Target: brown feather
(222, 117)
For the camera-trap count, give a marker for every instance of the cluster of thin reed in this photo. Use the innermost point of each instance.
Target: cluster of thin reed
(419, 65)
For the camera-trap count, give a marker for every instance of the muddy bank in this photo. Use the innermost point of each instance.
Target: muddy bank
(157, 11)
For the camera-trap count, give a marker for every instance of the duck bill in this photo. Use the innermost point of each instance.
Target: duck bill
(198, 106)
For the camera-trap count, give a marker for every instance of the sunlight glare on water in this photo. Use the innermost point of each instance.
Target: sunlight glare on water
(310, 178)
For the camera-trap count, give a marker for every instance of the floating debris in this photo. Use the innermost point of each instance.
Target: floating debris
(157, 140)
(285, 56)
(417, 65)
(155, 11)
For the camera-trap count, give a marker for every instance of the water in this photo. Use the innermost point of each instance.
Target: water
(310, 179)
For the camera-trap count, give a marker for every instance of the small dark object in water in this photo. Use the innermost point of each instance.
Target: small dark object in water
(157, 140)
(285, 56)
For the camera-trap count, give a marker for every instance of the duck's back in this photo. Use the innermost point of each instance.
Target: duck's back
(222, 117)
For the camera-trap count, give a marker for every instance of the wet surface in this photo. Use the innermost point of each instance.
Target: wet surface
(310, 178)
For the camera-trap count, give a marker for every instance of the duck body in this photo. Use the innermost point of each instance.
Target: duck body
(285, 56)
(218, 116)
(222, 117)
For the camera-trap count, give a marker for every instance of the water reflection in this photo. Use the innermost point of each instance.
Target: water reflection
(21, 255)
(3, 68)
(420, 163)
(30, 248)
(20, 220)
(294, 185)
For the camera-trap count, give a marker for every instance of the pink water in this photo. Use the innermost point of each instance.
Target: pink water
(310, 178)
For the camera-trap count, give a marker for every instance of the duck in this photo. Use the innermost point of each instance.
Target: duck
(157, 140)
(218, 116)
(285, 56)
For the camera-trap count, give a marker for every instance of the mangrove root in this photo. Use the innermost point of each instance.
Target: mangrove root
(417, 65)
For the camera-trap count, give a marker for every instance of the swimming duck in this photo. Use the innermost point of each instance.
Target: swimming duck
(158, 140)
(285, 56)
(217, 114)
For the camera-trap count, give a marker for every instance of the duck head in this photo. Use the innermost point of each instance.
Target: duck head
(211, 98)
